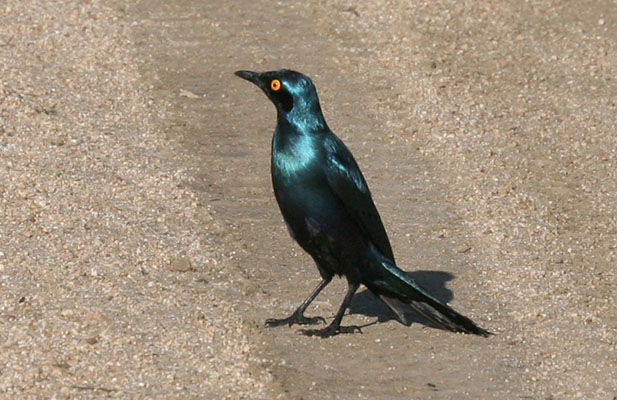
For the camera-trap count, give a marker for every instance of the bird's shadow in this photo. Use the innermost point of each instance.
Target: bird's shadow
(367, 304)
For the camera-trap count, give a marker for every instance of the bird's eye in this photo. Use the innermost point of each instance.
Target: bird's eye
(275, 85)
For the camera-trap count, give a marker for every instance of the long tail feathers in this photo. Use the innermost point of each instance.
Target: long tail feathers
(394, 286)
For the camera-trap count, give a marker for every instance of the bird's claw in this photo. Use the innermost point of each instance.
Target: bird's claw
(330, 331)
(295, 318)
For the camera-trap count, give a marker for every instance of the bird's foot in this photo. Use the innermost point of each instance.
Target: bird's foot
(330, 331)
(295, 318)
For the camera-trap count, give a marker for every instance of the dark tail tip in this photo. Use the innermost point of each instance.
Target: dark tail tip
(476, 330)
(447, 317)
(462, 324)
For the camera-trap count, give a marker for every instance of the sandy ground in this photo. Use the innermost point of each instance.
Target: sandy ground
(142, 249)
(99, 293)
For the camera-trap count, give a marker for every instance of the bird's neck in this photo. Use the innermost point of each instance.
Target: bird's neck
(294, 148)
(302, 122)
(289, 134)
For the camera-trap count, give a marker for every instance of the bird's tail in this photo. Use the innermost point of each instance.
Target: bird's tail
(393, 287)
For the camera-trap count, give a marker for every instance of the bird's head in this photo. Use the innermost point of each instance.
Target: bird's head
(292, 93)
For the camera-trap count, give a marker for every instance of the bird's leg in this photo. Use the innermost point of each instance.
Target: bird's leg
(298, 316)
(335, 327)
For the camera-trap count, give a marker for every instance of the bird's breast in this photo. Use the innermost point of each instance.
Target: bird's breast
(292, 157)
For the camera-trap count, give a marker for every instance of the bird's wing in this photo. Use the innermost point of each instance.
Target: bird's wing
(346, 181)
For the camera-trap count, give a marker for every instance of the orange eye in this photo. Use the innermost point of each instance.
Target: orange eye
(275, 85)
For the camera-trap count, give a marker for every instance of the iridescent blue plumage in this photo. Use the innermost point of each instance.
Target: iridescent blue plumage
(328, 208)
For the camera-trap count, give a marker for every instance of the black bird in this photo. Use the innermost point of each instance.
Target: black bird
(328, 208)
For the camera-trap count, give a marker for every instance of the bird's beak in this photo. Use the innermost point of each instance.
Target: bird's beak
(249, 76)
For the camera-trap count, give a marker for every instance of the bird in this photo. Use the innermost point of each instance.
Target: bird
(329, 211)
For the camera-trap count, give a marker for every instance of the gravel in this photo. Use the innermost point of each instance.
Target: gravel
(99, 226)
(112, 278)
(514, 105)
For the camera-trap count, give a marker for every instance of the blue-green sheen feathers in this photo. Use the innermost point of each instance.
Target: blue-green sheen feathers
(328, 207)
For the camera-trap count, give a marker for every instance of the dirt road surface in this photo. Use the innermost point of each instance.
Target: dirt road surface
(142, 249)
